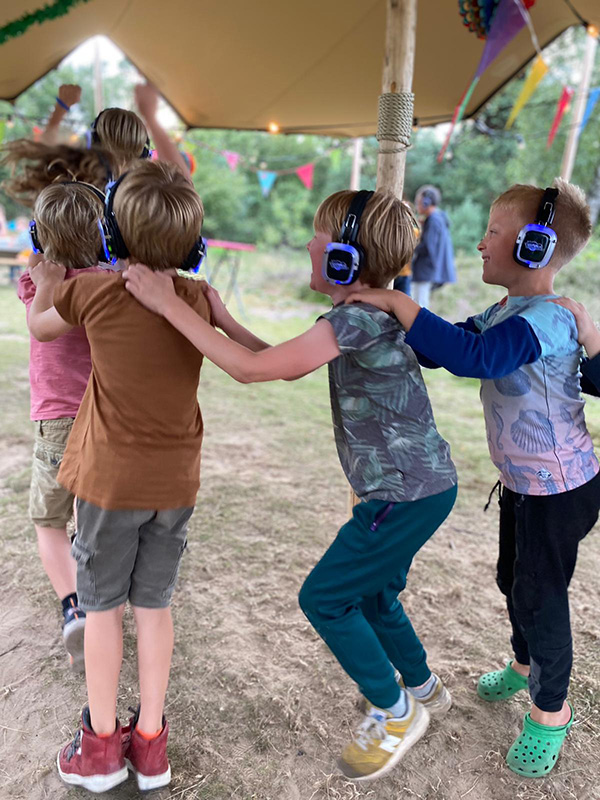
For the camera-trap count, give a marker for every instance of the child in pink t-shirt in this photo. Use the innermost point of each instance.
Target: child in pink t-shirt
(58, 374)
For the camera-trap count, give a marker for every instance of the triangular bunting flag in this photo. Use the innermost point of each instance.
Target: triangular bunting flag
(537, 72)
(563, 104)
(305, 173)
(591, 102)
(266, 180)
(232, 159)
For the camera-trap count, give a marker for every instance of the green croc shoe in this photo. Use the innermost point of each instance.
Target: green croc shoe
(501, 684)
(535, 752)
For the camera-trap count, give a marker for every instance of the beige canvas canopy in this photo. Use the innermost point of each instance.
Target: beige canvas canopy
(310, 66)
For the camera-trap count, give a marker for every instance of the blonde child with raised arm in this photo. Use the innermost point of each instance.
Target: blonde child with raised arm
(389, 448)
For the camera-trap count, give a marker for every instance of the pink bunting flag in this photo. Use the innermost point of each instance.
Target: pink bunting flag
(233, 159)
(306, 174)
(563, 104)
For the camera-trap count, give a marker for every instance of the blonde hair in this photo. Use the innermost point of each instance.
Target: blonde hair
(66, 218)
(35, 165)
(123, 134)
(158, 213)
(572, 222)
(386, 232)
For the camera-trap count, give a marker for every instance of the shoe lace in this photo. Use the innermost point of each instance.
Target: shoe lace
(370, 730)
(74, 746)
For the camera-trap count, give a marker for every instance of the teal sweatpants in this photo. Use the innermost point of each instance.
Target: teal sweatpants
(351, 596)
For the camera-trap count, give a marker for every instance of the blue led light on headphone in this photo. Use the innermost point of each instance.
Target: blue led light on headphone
(35, 242)
(108, 258)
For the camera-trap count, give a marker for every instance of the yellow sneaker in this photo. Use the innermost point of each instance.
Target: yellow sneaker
(437, 702)
(381, 740)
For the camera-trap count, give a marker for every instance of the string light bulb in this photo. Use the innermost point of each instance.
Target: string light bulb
(274, 127)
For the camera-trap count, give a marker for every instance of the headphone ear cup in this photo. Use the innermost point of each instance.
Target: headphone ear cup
(342, 263)
(35, 242)
(193, 260)
(146, 152)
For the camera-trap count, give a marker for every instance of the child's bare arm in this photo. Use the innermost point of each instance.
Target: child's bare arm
(223, 319)
(146, 98)
(389, 300)
(587, 333)
(44, 321)
(286, 361)
(68, 95)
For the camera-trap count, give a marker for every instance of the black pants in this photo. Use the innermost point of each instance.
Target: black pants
(539, 537)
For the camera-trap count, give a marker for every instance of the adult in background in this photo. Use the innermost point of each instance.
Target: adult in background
(433, 259)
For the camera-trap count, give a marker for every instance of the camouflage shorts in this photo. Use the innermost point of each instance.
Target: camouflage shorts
(50, 505)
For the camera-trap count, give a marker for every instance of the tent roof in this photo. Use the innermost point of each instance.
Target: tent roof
(313, 66)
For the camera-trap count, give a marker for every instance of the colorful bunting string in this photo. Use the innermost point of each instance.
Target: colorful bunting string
(508, 19)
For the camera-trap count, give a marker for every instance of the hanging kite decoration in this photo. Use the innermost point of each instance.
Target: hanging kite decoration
(48, 12)
(498, 22)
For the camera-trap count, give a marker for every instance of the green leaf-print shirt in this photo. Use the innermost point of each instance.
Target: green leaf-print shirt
(385, 433)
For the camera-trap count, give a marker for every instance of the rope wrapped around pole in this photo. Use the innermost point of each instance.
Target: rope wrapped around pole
(395, 120)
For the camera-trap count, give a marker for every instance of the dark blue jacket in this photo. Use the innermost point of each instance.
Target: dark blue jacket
(433, 259)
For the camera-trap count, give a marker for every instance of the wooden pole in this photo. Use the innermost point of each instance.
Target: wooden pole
(400, 40)
(98, 101)
(570, 153)
(356, 164)
(398, 68)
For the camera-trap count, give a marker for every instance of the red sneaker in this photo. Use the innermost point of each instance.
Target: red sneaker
(147, 759)
(89, 761)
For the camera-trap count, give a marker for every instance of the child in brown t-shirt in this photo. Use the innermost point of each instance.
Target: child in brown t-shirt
(133, 462)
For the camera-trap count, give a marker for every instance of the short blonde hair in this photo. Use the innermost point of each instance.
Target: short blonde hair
(66, 217)
(123, 134)
(386, 232)
(158, 213)
(572, 222)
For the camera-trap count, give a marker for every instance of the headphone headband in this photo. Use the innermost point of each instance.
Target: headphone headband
(349, 231)
(546, 210)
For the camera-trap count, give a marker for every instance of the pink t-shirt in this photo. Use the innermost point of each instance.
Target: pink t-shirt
(58, 370)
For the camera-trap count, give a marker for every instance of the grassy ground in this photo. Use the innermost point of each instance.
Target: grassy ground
(258, 707)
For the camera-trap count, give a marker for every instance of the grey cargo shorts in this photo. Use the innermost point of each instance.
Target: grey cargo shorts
(128, 555)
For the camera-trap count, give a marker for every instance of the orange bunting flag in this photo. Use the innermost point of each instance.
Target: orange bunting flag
(538, 70)
(306, 174)
(563, 105)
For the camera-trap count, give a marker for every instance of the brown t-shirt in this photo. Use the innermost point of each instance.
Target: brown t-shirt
(136, 440)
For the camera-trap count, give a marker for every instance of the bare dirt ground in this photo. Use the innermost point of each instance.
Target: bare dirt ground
(258, 707)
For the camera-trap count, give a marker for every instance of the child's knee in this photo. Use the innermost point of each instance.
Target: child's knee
(308, 598)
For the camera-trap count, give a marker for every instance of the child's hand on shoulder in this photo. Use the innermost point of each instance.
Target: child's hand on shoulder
(152, 289)
(146, 99)
(382, 298)
(390, 300)
(587, 333)
(218, 310)
(47, 272)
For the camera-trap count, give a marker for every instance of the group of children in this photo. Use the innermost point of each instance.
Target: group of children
(115, 364)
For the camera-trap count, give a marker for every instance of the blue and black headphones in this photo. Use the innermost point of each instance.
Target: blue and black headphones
(343, 260)
(116, 245)
(92, 138)
(536, 241)
(104, 254)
